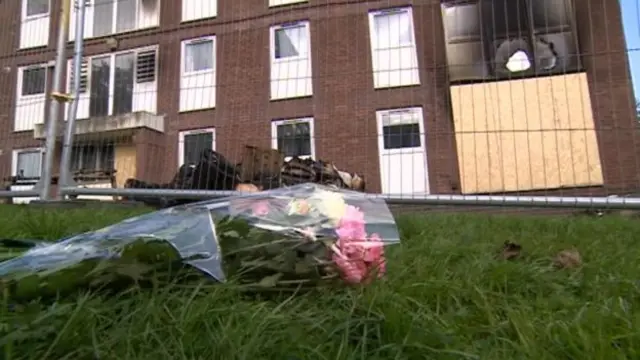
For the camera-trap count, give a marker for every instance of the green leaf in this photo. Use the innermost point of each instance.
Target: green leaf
(270, 281)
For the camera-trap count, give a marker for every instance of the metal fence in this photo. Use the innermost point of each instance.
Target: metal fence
(480, 102)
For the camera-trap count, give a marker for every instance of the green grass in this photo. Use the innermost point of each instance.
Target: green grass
(446, 297)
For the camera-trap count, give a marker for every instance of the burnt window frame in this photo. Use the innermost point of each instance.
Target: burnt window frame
(528, 33)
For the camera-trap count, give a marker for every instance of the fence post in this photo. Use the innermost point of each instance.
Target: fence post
(58, 97)
(66, 179)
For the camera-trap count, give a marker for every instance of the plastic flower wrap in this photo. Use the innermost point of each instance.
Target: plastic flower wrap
(290, 238)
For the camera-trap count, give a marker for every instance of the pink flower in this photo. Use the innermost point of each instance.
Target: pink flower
(260, 208)
(358, 256)
(351, 227)
(353, 272)
(352, 217)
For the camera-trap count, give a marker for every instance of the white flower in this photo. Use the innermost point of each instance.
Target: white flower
(330, 204)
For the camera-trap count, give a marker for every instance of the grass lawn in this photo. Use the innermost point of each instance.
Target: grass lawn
(446, 297)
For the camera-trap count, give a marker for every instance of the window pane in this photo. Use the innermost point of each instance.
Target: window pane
(290, 42)
(106, 158)
(199, 56)
(393, 30)
(401, 136)
(194, 145)
(126, 19)
(123, 84)
(513, 57)
(557, 53)
(28, 164)
(505, 17)
(462, 21)
(550, 14)
(294, 139)
(103, 21)
(37, 7)
(33, 81)
(100, 73)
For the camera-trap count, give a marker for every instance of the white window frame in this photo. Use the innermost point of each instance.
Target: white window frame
(272, 41)
(31, 17)
(183, 55)
(114, 25)
(17, 152)
(391, 11)
(274, 135)
(182, 134)
(47, 66)
(373, 36)
(112, 73)
(208, 17)
(275, 3)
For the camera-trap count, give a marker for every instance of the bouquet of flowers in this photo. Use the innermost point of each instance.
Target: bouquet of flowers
(303, 236)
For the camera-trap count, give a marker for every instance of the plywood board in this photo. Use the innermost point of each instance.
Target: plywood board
(125, 163)
(527, 134)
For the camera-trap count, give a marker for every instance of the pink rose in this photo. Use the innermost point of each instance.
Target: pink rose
(353, 272)
(260, 208)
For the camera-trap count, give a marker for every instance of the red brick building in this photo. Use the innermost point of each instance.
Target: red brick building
(419, 96)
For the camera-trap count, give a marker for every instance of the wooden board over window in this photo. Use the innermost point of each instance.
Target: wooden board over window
(529, 134)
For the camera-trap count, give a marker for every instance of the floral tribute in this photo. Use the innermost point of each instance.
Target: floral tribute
(293, 241)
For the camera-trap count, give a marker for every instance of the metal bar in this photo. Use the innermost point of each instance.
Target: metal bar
(19, 193)
(468, 200)
(54, 109)
(65, 175)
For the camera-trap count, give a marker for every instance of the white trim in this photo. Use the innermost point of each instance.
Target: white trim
(274, 134)
(112, 73)
(16, 152)
(394, 80)
(272, 40)
(114, 20)
(183, 53)
(417, 118)
(182, 134)
(20, 77)
(202, 16)
(399, 10)
(276, 3)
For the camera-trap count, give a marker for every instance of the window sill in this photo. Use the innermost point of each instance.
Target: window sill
(189, 21)
(35, 17)
(122, 34)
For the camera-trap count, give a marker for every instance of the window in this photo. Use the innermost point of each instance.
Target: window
(106, 17)
(36, 7)
(501, 39)
(31, 88)
(27, 163)
(117, 82)
(193, 143)
(401, 136)
(34, 24)
(199, 9)
(291, 42)
(34, 81)
(84, 76)
(293, 137)
(393, 48)
(93, 157)
(285, 2)
(291, 61)
(198, 80)
(198, 55)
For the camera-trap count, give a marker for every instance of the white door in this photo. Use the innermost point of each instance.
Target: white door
(403, 156)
